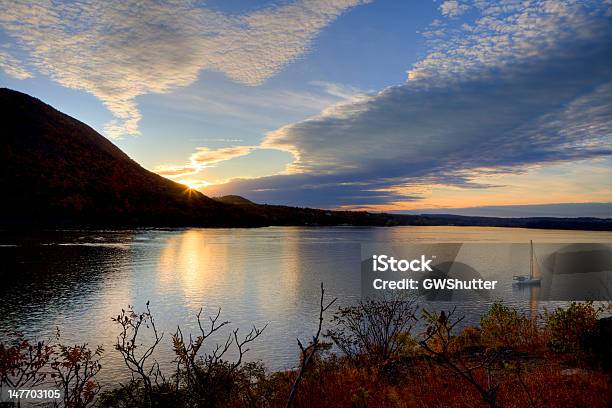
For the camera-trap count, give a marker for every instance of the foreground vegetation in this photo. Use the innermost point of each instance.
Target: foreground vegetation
(385, 353)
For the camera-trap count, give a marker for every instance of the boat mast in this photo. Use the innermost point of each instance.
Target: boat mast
(531, 260)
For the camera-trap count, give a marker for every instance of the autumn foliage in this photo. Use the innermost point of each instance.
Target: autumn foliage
(361, 360)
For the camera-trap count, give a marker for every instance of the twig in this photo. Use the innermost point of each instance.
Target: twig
(309, 351)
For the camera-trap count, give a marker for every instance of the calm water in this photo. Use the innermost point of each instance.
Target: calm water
(77, 280)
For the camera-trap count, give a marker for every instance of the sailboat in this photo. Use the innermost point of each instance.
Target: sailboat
(534, 271)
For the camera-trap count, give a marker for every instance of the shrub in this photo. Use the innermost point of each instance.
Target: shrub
(570, 328)
(25, 365)
(375, 329)
(505, 327)
(74, 371)
(22, 363)
(207, 378)
(470, 337)
(201, 378)
(136, 354)
(131, 395)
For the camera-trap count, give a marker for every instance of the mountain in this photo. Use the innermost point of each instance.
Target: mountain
(56, 171)
(59, 171)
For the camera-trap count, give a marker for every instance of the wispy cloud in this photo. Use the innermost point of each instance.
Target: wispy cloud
(524, 83)
(260, 106)
(202, 158)
(119, 50)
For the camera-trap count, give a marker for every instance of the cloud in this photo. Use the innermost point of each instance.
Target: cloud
(505, 33)
(259, 106)
(525, 83)
(205, 157)
(309, 190)
(453, 8)
(202, 158)
(340, 91)
(119, 50)
(13, 66)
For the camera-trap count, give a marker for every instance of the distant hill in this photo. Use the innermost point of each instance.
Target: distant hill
(234, 200)
(58, 172)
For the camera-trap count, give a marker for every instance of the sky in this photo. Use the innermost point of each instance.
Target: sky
(479, 107)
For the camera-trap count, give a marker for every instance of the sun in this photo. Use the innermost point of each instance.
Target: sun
(194, 184)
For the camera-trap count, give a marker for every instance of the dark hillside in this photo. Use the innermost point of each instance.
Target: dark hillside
(57, 170)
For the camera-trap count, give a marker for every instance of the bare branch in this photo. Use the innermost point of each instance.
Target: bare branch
(309, 351)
